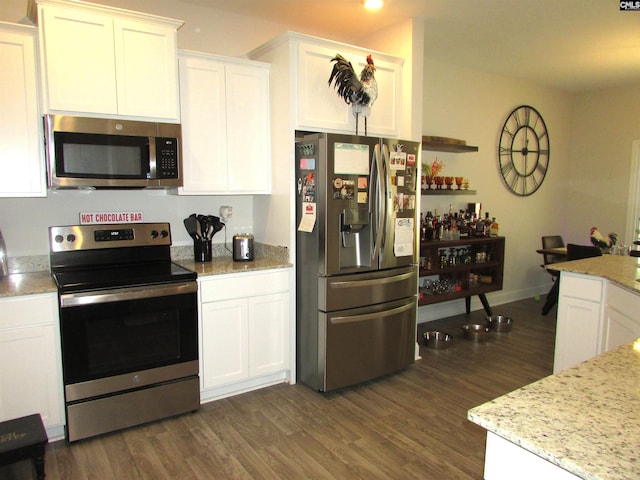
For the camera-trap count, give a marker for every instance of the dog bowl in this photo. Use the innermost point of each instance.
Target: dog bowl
(437, 340)
(499, 323)
(476, 333)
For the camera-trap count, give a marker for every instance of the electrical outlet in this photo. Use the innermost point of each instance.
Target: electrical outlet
(226, 212)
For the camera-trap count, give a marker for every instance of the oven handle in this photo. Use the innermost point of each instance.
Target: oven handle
(127, 293)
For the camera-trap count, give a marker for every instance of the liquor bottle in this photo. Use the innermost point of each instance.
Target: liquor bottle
(429, 227)
(472, 225)
(479, 228)
(486, 225)
(463, 228)
(494, 229)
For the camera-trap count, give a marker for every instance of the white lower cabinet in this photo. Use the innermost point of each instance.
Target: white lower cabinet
(622, 323)
(245, 331)
(31, 376)
(579, 319)
(594, 316)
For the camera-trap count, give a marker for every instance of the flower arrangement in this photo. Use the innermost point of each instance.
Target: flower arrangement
(432, 170)
(436, 167)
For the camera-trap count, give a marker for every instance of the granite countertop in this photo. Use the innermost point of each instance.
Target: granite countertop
(32, 283)
(222, 265)
(622, 270)
(583, 419)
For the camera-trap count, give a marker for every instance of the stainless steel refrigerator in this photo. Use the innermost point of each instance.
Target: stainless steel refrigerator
(356, 258)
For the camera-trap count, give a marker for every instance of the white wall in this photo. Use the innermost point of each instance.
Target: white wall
(472, 105)
(606, 122)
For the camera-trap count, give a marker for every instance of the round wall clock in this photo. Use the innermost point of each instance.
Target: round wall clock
(523, 152)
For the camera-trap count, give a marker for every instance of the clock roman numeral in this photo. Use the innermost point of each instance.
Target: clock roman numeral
(509, 132)
(541, 168)
(506, 169)
(505, 150)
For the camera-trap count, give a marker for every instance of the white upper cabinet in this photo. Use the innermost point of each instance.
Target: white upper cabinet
(21, 149)
(106, 61)
(320, 107)
(225, 125)
(316, 105)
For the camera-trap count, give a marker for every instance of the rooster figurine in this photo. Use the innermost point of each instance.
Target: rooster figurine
(602, 242)
(361, 92)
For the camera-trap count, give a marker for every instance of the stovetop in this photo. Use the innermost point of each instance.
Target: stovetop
(93, 257)
(74, 280)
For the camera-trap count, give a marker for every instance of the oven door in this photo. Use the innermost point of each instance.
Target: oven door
(120, 339)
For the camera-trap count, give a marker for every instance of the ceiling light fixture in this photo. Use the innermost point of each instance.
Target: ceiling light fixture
(372, 4)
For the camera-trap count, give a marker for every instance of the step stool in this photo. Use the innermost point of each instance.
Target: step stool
(21, 439)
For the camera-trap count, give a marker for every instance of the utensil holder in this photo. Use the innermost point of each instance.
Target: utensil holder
(202, 250)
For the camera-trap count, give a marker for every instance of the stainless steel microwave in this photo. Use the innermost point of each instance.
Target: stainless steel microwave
(107, 153)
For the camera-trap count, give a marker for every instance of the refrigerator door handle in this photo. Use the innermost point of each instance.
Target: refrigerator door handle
(374, 281)
(378, 199)
(372, 316)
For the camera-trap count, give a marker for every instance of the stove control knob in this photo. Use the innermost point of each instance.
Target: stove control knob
(71, 238)
(164, 234)
(59, 238)
(154, 234)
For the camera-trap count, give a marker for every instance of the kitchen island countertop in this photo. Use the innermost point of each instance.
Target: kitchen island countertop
(623, 270)
(583, 419)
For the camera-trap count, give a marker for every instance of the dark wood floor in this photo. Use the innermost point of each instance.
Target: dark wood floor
(409, 425)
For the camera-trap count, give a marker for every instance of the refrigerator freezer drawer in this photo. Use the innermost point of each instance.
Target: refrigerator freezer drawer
(363, 289)
(366, 343)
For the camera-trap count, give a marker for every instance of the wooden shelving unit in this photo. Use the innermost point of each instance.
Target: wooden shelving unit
(492, 268)
(448, 192)
(432, 146)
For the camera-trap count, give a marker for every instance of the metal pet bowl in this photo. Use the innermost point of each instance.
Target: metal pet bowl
(437, 340)
(499, 323)
(476, 333)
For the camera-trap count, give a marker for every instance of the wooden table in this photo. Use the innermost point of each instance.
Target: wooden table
(558, 251)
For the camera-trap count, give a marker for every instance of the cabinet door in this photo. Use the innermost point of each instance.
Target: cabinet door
(619, 329)
(21, 159)
(225, 126)
(622, 324)
(249, 152)
(79, 64)
(204, 129)
(224, 354)
(29, 344)
(268, 334)
(320, 107)
(146, 69)
(577, 331)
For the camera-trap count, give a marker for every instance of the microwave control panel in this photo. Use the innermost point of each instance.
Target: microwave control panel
(166, 157)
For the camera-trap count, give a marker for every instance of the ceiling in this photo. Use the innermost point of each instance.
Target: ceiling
(573, 45)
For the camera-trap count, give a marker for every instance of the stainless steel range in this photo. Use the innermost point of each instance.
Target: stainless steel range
(129, 326)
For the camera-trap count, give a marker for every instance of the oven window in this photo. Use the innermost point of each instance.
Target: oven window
(102, 340)
(101, 156)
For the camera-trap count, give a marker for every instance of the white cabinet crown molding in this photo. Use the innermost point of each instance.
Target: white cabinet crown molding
(321, 42)
(32, 11)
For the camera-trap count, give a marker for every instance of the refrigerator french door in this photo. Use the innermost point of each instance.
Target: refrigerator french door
(356, 265)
